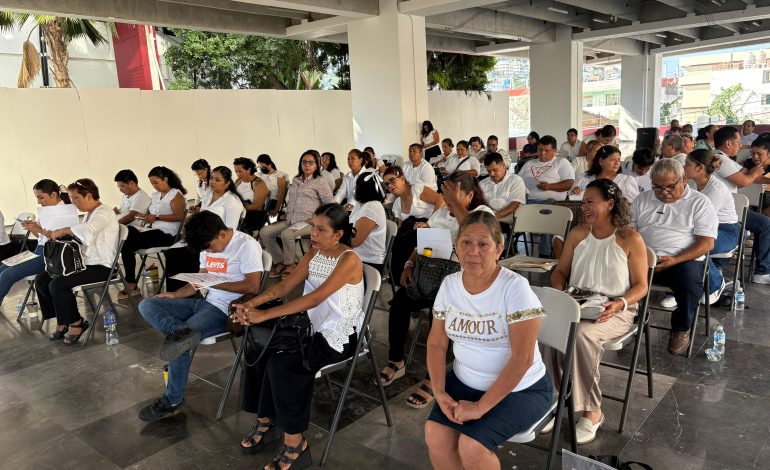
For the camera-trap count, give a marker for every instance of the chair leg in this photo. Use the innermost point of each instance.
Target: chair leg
(94, 316)
(414, 338)
(141, 268)
(165, 275)
(376, 375)
(26, 298)
(630, 381)
(648, 353)
(231, 378)
(571, 422)
(692, 332)
(338, 411)
(131, 301)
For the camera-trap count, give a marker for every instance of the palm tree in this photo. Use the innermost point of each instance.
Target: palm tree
(57, 32)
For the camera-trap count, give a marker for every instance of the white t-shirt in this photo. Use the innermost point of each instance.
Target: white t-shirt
(228, 207)
(501, 195)
(272, 182)
(568, 151)
(580, 165)
(139, 202)
(329, 179)
(99, 233)
(372, 250)
(478, 325)
(721, 198)
(419, 209)
(439, 161)
(202, 188)
(348, 187)
(469, 163)
(644, 182)
(553, 171)
(424, 172)
(748, 139)
(628, 185)
(162, 206)
(669, 229)
(443, 219)
(680, 157)
(4, 238)
(429, 138)
(727, 169)
(241, 256)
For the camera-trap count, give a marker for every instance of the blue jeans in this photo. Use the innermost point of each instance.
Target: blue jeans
(686, 280)
(727, 239)
(10, 275)
(169, 315)
(760, 225)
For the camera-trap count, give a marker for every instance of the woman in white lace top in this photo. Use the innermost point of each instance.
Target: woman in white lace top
(280, 388)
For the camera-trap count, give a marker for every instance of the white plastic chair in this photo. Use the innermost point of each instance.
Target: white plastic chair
(544, 219)
(756, 195)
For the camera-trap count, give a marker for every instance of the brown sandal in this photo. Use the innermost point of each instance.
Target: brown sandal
(421, 397)
(277, 270)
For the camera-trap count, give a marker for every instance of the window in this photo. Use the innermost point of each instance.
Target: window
(766, 100)
(612, 99)
(588, 101)
(766, 76)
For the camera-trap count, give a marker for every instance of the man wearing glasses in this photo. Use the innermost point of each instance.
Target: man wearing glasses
(680, 225)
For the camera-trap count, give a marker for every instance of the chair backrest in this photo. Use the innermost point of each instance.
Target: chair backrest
(741, 207)
(372, 281)
(267, 265)
(755, 193)
(561, 312)
(17, 229)
(396, 160)
(178, 235)
(542, 218)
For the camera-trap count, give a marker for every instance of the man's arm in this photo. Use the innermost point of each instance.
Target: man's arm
(700, 247)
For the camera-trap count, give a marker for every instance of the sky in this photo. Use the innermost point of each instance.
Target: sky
(671, 63)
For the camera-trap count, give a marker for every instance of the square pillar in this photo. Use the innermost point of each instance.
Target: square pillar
(639, 96)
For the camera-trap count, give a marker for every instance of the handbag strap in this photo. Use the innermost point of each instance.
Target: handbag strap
(627, 465)
(264, 348)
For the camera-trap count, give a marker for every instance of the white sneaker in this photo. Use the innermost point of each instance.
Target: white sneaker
(585, 430)
(714, 296)
(760, 279)
(668, 302)
(548, 427)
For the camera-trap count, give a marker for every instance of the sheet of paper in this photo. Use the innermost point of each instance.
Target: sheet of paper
(201, 280)
(298, 226)
(56, 217)
(576, 197)
(179, 244)
(20, 258)
(521, 261)
(437, 239)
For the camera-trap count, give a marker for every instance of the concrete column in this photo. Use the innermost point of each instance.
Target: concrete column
(389, 84)
(639, 96)
(556, 85)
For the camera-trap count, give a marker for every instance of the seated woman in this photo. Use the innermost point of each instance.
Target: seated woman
(47, 193)
(462, 195)
(254, 193)
(699, 167)
(329, 165)
(582, 164)
(607, 256)
(359, 163)
(202, 171)
(606, 165)
(99, 233)
(529, 151)
(278, 388)
(498, 384)
(462, 161)
(369, 221)
(162, 222)
(307, 192)
(277, 182)
(478, 152)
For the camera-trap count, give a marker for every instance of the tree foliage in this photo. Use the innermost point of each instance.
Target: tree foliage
(458, 71)
(729, 103)
(667, 110)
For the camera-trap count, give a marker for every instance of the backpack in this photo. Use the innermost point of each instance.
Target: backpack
(63, 257)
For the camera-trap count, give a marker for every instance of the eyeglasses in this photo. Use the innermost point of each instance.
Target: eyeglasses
(389, 182)
(308, 162)
(668, 189)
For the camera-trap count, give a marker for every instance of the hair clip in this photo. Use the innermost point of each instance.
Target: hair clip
(378, 181)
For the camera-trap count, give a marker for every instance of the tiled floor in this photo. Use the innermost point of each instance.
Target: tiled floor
(76, 407)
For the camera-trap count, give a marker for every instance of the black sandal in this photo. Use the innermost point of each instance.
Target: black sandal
(57, 335)
(421, 397)
(303, 460)
(271, 434)
(398, 372)
(69, 339)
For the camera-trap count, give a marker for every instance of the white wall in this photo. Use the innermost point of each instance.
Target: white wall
(65, 134)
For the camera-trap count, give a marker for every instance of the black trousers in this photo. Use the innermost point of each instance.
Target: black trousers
(434, 151)
(686, 281)
(138, 241)
(55, 295)
(180, 260)
(254, 221)
(401, 308)
(379, 267)
(280, 388)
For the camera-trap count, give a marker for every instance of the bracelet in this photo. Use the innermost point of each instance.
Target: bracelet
(409, 264)
(625, 303)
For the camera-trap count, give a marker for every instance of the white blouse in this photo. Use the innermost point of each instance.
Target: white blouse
(161, 205)
(372, 250)
(99, 233)
(419, 209)
(228, 207)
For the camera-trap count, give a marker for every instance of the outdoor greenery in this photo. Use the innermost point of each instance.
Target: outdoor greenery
(458, 71)
(729, 104)
(667, 111)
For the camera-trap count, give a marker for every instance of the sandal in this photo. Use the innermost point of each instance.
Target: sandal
(286, 273)
(276, 271)
(69, 339)
(271, 434)
(421, 397)
(303, 460)
(387, 378)
(57, 335)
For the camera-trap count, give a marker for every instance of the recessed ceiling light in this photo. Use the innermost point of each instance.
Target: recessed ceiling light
(559, 10)
(599, 20)
(661, 35)
(756, 23)
(678, 39)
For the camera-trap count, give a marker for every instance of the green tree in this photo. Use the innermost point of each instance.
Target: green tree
(729, 103)
(667, 110)
(459, 71)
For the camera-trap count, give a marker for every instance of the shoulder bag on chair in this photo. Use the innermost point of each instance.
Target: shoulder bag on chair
(63, 257)
(427, 276)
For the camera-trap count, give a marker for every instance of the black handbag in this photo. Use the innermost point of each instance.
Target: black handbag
(63, 257)
(615, 462)
(289, 334)
(427, 277)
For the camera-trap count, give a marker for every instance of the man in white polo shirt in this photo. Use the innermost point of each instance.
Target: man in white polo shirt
(727, 142)
(680, 226)
(672, 148)
(503, 191)
(417, 169)
(134, 200)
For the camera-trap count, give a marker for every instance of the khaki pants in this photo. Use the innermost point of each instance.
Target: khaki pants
(285, 253)
(589, 339)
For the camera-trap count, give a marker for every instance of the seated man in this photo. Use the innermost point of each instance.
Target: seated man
(503, 191)
(134, 201)
(727, 142)
(184, 319)
(494, 147)
(672, 148)
(572, 147)
(639, 166)
(680, 225)
(417, 169)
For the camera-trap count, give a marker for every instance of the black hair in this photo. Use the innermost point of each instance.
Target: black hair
(763, 141)
(449, 142)
(724, 134)
(367, 188)
(85, 186)
(201, 164)
(49, 187)
(425, 124)
(173, 179)
(339, 220)
(535, 136)
(601, 154)
(643, 157)
(227, 174)
(572, 130)
(476, 138)
(332, 161)
(126, 176)
(751, 121)
(493, 157)
(395, 170)
(548, 140)
(246, 163)
(365, 157)
(265, 158)
(464, 143)
(710, 160)
(609, 131)
(316, 156)
(621, 211)
(202, 228)
(493, 137)
(369, 150)
(468, 184)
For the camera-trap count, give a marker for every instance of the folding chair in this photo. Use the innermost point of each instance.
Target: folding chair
(756, 195)
(642, 328)
(115, 277)
(390, 236)
(544, 219)
(18, 234)
(742, 210)
(506, 225)
(156, 252)
(557, 330)
(30, 290)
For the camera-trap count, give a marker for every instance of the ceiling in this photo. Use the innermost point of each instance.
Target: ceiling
(607, 28)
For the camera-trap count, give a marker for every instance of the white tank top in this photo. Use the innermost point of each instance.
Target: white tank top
(162, 206)
(601, 266)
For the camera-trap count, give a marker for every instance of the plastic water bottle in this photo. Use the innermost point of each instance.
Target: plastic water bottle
(110, 327)
(715, 353)
(19, 305)
(740, 297)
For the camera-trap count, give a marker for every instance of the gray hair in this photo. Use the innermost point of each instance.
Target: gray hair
(666, 166)
(675, 141)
